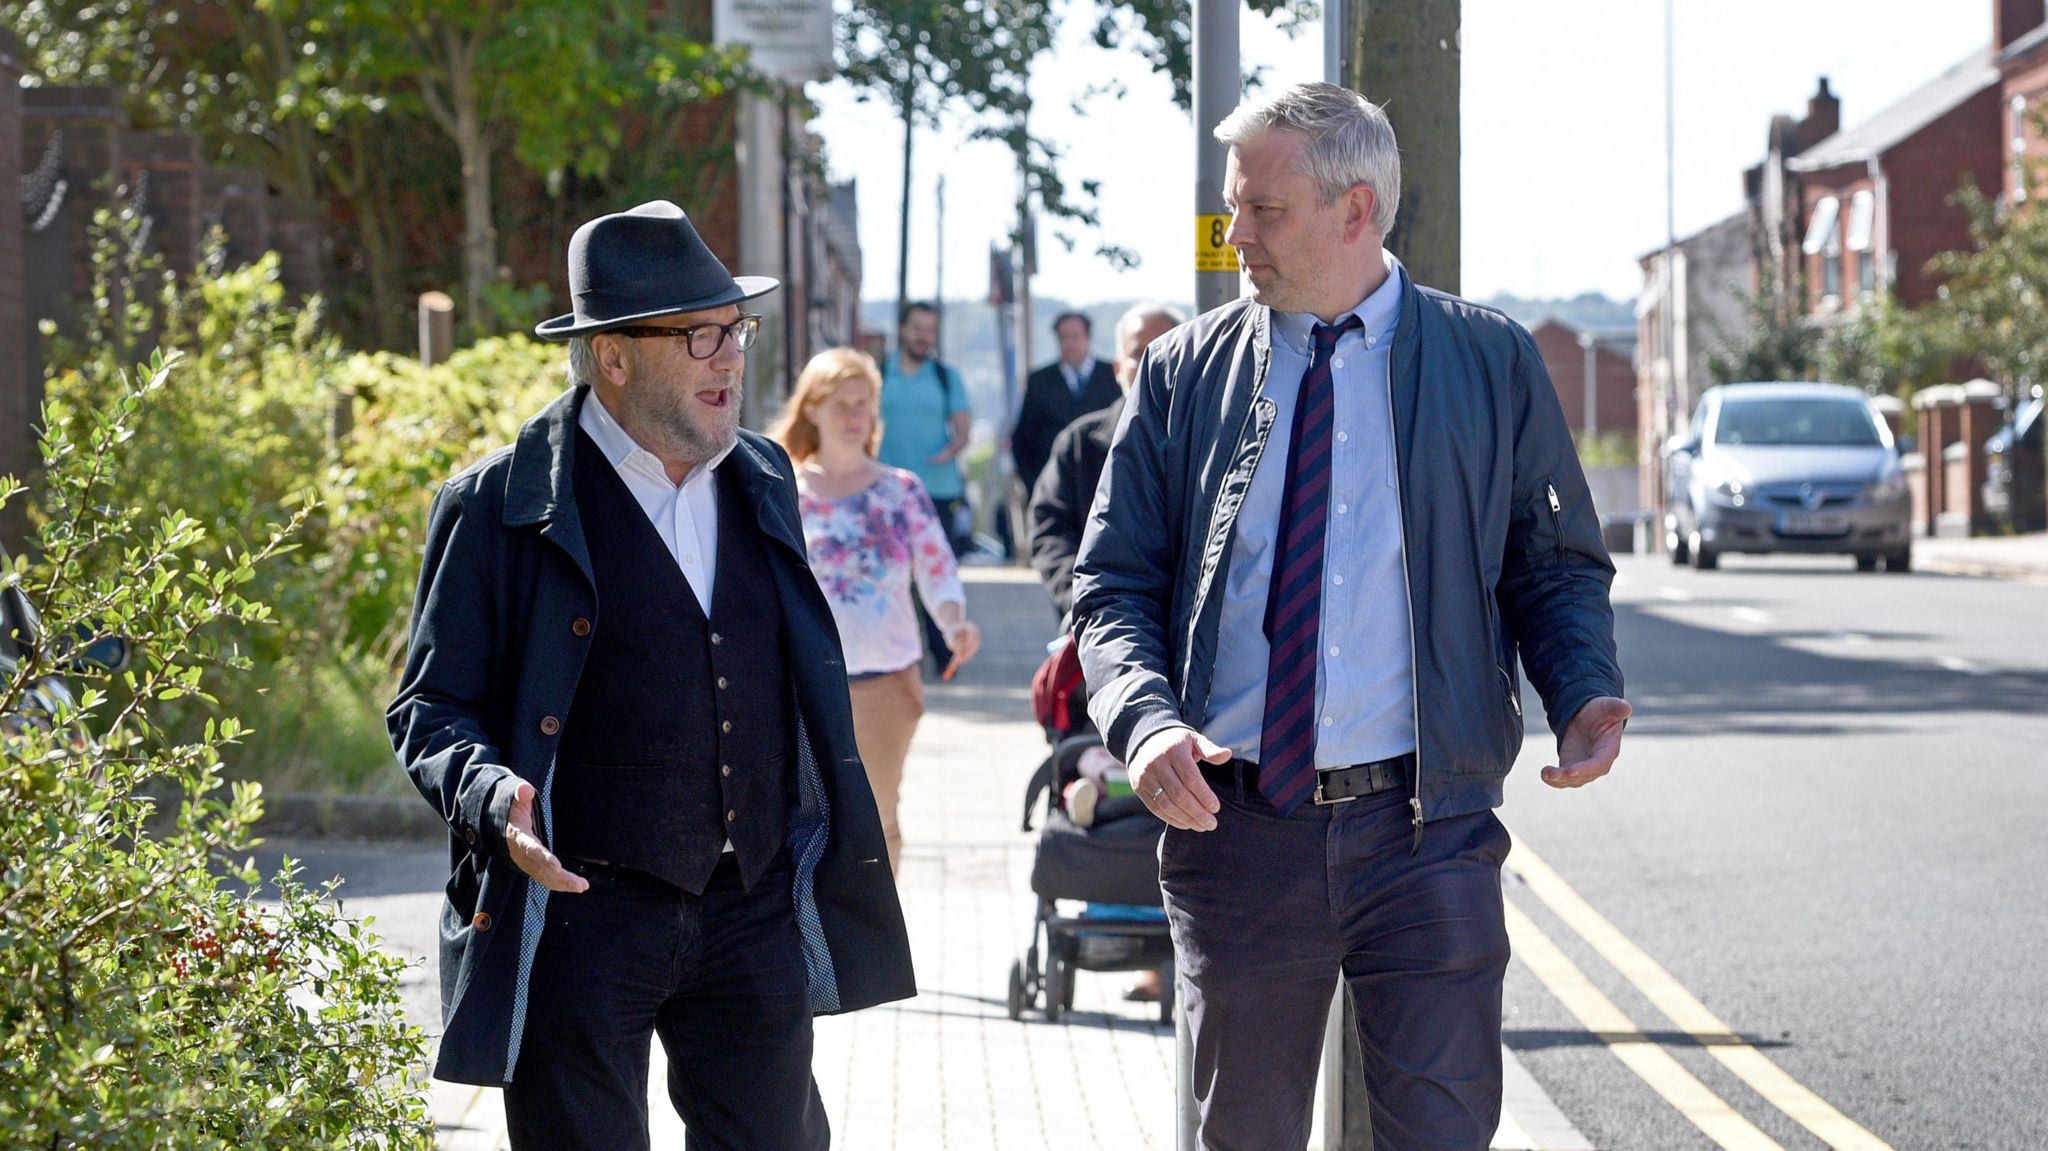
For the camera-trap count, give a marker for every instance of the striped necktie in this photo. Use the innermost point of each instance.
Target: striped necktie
(1294, 595)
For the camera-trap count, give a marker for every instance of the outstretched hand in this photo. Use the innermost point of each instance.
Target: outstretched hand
(1591, 742)
(527, 851)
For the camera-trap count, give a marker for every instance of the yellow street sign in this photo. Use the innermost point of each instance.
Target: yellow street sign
(1212, 254)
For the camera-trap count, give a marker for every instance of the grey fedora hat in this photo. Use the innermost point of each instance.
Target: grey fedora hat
(640, 264)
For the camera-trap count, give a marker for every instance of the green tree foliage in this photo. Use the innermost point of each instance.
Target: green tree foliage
(926, 56)
(553, 81)
(411, 121)
(1885, 349)
(1781, 343)
(1992, 307)
(1161, 32)
(269, 419)
(152, 1000)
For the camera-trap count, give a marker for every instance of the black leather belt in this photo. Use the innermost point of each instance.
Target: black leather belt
(1333, 784)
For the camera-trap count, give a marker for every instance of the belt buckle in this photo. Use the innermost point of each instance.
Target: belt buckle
(1320, 801)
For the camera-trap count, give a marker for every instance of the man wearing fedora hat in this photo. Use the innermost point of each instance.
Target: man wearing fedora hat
(625, 694)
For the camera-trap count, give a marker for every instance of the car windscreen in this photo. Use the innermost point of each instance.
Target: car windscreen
(1801, 422)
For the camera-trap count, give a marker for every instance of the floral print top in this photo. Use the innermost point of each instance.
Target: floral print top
(865, 551)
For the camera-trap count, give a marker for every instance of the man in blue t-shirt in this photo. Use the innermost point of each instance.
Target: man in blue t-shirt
(925, 419)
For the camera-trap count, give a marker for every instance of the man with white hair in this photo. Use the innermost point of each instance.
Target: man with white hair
(1333, 514)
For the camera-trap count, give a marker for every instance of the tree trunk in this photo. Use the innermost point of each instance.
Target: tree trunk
(370, 191)
(479, 234)
(1404, 54)
(907, 101)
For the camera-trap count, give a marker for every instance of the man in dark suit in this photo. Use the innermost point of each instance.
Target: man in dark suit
(1066, 486)
(1058, 394)
(1334, 515)
(625, 694)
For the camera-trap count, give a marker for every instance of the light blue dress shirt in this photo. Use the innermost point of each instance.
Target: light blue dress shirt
(1365, 686)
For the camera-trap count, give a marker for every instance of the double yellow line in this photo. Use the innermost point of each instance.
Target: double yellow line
(1695, 1100)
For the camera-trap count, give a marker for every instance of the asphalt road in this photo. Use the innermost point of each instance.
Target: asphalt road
(1827, 827)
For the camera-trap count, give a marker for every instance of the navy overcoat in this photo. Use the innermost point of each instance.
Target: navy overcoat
(502, 623)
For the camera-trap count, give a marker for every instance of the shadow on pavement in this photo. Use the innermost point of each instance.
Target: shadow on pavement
(1719, 684)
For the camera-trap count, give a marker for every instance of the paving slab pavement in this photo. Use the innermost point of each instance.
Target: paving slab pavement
(2022, 557)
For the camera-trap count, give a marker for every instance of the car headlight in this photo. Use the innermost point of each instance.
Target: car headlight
(1731, 491)
(1886, 490)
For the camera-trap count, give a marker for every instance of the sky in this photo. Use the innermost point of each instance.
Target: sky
(1563, 152)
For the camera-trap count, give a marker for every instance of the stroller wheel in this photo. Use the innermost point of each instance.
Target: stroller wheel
(1059, 986)
(1016, 1003)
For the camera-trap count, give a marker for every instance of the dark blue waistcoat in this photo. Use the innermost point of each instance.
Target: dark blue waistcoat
(679, 735)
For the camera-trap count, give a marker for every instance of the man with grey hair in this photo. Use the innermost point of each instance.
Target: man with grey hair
(1333, 515)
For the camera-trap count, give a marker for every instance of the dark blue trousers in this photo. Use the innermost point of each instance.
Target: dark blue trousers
(719, 977)
(1267, 910)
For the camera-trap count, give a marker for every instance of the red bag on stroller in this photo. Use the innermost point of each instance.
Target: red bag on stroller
(1054, 687)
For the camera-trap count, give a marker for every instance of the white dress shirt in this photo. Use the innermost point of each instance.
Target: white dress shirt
(685, 515)
(1078, 374)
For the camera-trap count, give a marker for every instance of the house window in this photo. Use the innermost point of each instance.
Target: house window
(1824, 239)
(1862, 226)
(2019, 149)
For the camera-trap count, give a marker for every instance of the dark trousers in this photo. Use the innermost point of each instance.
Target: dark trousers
(1267, 909)
(719, 977)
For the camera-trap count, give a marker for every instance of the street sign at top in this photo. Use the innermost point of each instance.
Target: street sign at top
(789, 40)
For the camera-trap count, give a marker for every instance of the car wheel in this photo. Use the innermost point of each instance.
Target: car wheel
(1704, 558)
(1866, 563)
(1900, 561)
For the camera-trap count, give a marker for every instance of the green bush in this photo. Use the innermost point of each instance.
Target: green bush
(151, 1000)
(268, 418)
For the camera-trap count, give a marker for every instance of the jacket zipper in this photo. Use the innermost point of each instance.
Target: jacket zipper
(1201, 598)
(1556, 522)
(1408, 591)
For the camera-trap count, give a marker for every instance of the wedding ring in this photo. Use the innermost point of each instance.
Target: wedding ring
(1158, 792)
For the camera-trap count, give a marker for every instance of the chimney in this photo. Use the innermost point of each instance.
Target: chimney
(1823, 116)
(2012, 19)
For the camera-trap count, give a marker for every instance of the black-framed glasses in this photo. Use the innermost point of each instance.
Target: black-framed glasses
(703, 340)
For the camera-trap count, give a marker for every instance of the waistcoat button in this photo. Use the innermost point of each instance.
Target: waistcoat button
(482, 922)
(581, 627)
(549, 725)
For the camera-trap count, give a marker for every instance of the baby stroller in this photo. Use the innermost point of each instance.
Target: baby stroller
(1102, 864)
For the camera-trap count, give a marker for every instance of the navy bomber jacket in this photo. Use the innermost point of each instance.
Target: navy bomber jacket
(1503, 545)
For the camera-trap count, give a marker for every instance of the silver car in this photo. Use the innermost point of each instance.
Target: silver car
(1787, 467)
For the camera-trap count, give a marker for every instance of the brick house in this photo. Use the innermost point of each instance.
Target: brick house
(1874, 199)
(1694, 305)
(1570, 355)
(2023, 94)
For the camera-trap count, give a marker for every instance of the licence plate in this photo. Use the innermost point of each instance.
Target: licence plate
(1812, 524)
